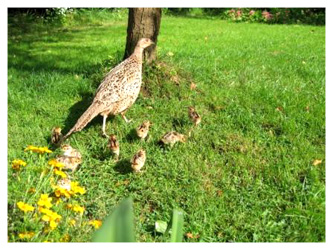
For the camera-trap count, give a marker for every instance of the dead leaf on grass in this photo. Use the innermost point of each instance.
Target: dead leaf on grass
(317, 162)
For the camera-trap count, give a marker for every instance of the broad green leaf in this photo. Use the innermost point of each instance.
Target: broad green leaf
(161, 226)
(177, 225)
(117, 227)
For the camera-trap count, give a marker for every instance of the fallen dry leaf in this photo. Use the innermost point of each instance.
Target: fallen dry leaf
(279, 109)
(219, 192)
(193, 86)
(317, 162)
(175, 79)
(126, 182)
(191, 236)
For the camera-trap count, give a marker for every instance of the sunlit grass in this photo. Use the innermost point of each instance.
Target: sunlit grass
(245, 174)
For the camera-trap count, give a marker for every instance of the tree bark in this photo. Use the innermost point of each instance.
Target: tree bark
(143, 23)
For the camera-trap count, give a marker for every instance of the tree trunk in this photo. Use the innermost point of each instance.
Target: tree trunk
(143, 23)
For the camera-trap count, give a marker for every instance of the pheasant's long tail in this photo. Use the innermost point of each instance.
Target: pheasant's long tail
(86, 117)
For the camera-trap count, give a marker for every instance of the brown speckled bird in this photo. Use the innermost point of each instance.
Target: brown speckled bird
(113, 145)
(143, 129)
(172, 137)
(138, 160)
(70, 162)
(64, 183)
(194, 116)
(56, 135)
(70, 152)
(118, 91)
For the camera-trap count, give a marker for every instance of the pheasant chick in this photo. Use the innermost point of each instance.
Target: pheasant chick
(70, 162)
(70, 152)
(113, 145)
(173, 137)
(194, 116)
(143, 129)
(56, 135)
(138, 160)
(64, 183)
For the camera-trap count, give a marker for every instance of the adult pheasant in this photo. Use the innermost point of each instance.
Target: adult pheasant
(118, 91)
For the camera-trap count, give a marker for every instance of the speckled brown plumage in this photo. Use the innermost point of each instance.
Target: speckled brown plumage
(138, 160)
(194, 116)
(113, 145)
(118, 91)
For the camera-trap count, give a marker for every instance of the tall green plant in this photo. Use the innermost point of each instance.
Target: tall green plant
(119, 227)
(177, 225)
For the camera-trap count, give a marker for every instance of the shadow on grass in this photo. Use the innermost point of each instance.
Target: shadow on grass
(179, 122)
(77, 110)
(132, 136)
(123, 166)
(103, 154)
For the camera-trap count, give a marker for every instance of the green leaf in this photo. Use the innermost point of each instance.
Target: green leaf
(117, 227)
(161, 226)
(177, 225)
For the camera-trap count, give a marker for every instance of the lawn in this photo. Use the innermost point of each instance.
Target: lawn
(247, 173)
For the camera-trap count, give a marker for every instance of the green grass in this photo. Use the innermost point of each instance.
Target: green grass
(245, 174)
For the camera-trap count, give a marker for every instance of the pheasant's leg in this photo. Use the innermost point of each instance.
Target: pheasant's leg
(104, 122)
(124, 117)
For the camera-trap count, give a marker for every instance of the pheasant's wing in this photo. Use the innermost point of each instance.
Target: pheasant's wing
(115, 85)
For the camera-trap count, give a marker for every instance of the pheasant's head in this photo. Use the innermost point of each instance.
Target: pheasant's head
(144, 43)
(182, 138)
(66, 147)
(190, 109)
(56, 130)
(112, 138)
(141, 153)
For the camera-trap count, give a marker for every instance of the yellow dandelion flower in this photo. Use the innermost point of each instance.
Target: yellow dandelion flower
(45, 201)
(51, 214)
(75, 188)
(60, 173)
(78, 209)
(44, 210)
(26, 235)
(53, 224)
(31, 148)
(46, 218)
(72, 222)
(43, 150)
(25, 207)
(40, 150)
(55, 163)
(95, 223)
(16, 164)
(62, 192)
